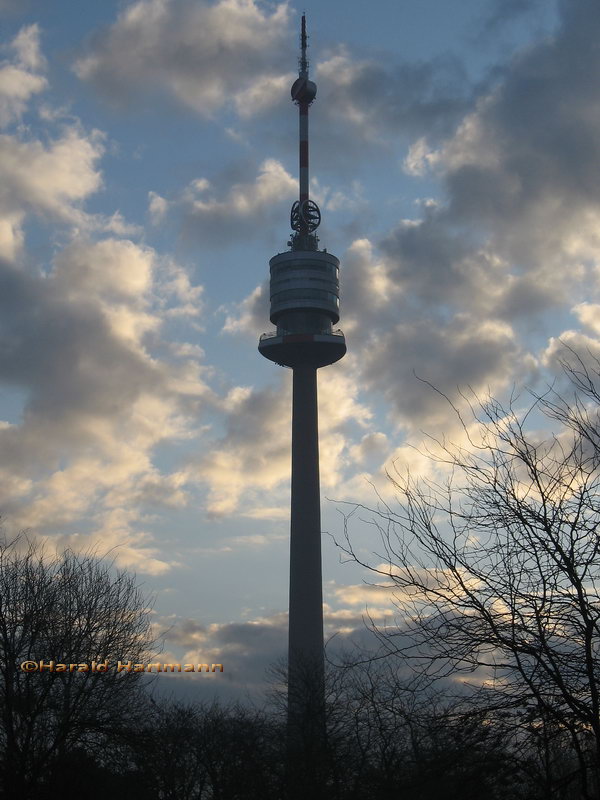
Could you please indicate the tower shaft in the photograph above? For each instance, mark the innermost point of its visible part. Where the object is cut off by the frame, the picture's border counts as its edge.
(305, 651)
(306, 662)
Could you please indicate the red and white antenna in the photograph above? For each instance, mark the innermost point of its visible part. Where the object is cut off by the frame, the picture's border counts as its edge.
(305, 215)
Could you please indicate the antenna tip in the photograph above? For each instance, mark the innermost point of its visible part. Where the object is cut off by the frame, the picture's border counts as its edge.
(303, 45)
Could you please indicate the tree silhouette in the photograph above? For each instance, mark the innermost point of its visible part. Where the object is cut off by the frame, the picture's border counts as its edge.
(72, 609)
(495, 566)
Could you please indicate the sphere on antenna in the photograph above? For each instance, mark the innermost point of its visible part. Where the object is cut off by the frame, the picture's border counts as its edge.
(303, 90)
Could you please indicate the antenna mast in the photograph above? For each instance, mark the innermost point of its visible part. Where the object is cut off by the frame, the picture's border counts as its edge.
(303, 46)
(305, 216)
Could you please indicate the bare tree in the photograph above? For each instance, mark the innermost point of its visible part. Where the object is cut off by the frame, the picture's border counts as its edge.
(198, 751)
(495, 566)
(390, 736)
(73, 610)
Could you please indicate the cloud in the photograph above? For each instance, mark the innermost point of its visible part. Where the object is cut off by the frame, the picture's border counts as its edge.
(251, 650)
(26, 46)
(251, 315)
(589, 315)
(157, 207)
(12, 6)
(204, 55)
(376, 99)
(254, 453)
(467, 293)
(372, 445)
(232, 207)
(502, 13)
(421, 305)
(233, 56)
(50, 180)
(76, 341)
(267, 513)
(249, 466)
(84, 346)
(247, 650)
(453, 295)
(20, 79)
(240, 210)
(521, 166)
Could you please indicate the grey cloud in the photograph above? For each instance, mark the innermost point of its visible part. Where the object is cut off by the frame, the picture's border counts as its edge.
(250, 651)
(237, 55)
(95, 401)
(459, 353)
(251, 316)
(75, 374)
(503, 13)
(246, 650)
(76, 340)
(235, 206)
(64, 353)
(526, 298)
(512, 241)
(253, 454)
(426, 260)
(14, 6)
(183, 632)
(400, 98)
(446, 295)
(530, 173)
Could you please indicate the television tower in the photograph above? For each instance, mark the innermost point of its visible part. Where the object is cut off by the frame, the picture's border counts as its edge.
(304, 306)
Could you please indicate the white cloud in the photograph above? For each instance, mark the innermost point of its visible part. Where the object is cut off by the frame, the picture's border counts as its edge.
(255, 451)
(243, 200)
(251, 315)
(203, 55)
(372, 445)
(98, 401)
(589, 315)
(157, 207)
(249, 467)
(279, 514)
(50, 177)
(115, 269)
(26, 46)
(243, 210)
(50, 180)
(264, 93)
(420, 158)
(19, 79)
(16, 87)
(82, 343)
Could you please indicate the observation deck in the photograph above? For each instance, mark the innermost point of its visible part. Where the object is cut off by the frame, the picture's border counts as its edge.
(293, 349)
(305, 302)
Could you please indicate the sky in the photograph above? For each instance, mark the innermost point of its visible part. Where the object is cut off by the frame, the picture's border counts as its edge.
(148, 162)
